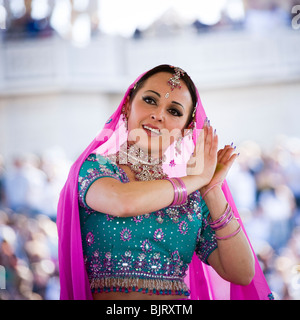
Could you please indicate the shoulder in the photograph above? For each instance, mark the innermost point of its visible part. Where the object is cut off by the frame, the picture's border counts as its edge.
(97, 166)
(99, 163)
(93, 168)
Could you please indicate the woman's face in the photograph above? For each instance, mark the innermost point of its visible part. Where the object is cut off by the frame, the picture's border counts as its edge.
(157, 115)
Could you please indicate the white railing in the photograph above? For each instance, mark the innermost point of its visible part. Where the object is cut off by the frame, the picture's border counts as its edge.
(110, 63)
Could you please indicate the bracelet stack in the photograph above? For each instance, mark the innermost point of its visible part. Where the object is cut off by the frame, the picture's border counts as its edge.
(180, 192)
(222, 222)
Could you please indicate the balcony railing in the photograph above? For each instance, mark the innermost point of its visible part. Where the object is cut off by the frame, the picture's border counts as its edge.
(111, 63)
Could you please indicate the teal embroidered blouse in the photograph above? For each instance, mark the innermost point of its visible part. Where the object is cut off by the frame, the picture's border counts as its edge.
(149, 253)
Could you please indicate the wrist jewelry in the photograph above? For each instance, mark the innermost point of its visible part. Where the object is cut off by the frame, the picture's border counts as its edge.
(239, 229)
(222, 221)
(221, 218)
(180, 191)
(183, 192)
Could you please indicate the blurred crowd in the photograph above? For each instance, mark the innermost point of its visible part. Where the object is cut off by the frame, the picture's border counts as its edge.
(33, 19)
(264, 183)
(29, 190)
(266, 187)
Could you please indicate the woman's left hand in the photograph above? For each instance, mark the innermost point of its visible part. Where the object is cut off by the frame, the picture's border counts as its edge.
(225, 159)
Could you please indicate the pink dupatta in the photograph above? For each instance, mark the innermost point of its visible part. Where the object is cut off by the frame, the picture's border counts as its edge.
(203, 281)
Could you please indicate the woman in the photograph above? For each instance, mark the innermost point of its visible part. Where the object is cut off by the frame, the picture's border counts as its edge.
(152, 201)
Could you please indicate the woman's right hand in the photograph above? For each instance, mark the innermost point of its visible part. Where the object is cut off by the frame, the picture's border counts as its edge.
(203, 161)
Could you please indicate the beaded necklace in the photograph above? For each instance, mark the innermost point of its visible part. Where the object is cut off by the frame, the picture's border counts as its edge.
(145, 167)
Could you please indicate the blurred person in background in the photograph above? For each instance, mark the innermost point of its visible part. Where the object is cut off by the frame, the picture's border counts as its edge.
(17, 186)
(24, 185)
(2, 176)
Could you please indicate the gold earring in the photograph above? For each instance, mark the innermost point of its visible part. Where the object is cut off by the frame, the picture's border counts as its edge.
(124, 115)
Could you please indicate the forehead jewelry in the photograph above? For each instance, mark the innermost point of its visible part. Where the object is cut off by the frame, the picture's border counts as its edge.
(167, 95)
(174, 81)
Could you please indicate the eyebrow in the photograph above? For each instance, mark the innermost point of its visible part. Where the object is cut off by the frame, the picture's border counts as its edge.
(178, 104)
(175, 102)
(153, 92)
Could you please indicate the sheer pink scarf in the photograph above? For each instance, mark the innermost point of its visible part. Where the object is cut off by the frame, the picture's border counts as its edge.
(203, 282)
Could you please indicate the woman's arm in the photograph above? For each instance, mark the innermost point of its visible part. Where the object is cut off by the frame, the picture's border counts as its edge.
(233, 259)
(134, 198)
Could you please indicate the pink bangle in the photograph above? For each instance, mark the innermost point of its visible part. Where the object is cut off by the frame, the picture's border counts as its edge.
(224, 223)
(183, 191)
(230, 235)
(180, 191)
(223, 216)
(205, 193)
(175, 191)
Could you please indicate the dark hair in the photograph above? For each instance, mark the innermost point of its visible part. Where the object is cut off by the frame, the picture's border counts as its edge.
(170, 69)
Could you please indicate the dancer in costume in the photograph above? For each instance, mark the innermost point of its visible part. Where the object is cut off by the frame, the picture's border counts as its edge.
(146, 212)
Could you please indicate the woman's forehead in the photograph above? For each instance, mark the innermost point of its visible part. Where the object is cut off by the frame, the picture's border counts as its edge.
(159, 83)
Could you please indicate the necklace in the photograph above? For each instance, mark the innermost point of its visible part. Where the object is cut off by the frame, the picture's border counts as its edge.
(145, 167)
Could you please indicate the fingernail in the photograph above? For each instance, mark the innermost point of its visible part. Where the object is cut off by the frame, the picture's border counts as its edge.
(234, 148)
(231, 144)
(238, 154)
(215, 131)
(209, 123)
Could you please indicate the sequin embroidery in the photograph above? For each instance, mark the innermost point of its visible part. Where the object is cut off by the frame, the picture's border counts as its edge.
(158, 235)
(138, 219)
(90, 238)
(125, 234)
(183, 227)
(146, 246)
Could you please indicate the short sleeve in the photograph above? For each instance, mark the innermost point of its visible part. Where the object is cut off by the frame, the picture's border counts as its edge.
(94, 168)
(206, 240)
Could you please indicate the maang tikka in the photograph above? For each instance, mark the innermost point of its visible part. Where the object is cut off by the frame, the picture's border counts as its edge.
(174, 81)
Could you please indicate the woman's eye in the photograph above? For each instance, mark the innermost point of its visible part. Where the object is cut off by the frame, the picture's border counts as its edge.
(175, 112)
(149, 100)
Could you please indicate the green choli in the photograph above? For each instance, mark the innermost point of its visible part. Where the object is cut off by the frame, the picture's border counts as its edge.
(148, 253)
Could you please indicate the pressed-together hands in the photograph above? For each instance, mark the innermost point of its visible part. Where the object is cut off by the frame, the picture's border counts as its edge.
(206, 161)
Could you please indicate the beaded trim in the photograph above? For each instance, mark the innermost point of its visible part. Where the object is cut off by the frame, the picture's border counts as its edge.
(150, 286)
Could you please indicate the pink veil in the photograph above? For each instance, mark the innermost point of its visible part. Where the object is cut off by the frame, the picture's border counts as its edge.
(202, 280)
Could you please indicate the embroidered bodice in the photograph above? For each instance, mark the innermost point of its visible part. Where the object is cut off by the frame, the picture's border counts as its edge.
(149, 253)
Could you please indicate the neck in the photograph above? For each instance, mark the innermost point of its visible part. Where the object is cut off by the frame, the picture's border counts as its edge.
(143, 155)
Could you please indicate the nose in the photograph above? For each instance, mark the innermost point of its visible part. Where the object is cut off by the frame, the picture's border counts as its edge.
(157, 115)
